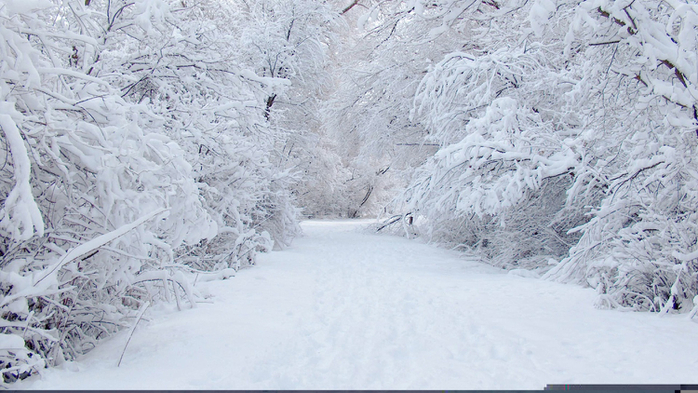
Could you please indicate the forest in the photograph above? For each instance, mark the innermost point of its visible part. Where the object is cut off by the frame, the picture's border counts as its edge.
(150, 144)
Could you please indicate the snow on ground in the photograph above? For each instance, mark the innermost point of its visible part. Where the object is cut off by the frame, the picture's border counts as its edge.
(346, 309)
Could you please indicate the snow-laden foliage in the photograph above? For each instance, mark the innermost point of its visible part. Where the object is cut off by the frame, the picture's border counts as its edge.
(134, 152)
(486, 186)
(638, 250)
(214, 107)
(568, 134)
(98, 167)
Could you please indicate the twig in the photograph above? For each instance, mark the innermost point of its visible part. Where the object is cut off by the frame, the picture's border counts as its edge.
(349, 7)
(95, 243)
(392, 220)
(176, 295)
(604, 43)
(133, 329)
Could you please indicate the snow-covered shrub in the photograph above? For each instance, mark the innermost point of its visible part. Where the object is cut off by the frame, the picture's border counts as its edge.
(130, 143)
(575, 117)
(639, 248)
(500, 190)
(112, 190)
(216, 109)
(498, 183)
(110, 193)
(16, 360)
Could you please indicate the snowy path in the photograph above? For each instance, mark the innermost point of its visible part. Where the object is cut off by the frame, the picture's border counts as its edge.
(346, 309)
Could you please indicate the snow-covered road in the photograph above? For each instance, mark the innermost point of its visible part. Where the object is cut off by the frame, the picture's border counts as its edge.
(345, 309)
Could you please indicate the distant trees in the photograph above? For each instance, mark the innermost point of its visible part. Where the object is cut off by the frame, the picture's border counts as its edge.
(383, 54)
(292, 40)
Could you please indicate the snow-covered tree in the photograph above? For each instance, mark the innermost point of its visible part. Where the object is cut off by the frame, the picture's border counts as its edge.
(214, 106)
(135, 150)
(567, 133)
(94, 194)
(638, 249)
